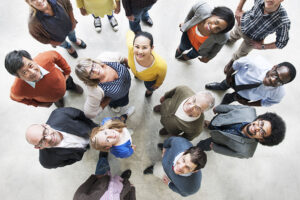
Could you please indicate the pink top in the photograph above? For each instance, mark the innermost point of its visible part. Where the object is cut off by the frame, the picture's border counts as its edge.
(114, 189)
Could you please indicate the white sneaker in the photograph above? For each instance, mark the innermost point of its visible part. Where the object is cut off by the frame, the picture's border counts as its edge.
(97, 24)
(114, 24)
(130, 111)
(116, 110)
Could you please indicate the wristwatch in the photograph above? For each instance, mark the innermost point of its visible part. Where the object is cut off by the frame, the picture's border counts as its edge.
(262, 46)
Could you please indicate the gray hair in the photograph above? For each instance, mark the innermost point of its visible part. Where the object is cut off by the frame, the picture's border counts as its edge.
(208, 97)
(82, 74)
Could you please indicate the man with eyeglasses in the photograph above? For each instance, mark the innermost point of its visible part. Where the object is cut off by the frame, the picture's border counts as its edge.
(63, 139)
(236, 131)
(255, 81)
(181, 111)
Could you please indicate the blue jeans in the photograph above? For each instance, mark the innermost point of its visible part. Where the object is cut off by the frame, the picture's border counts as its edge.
(149, 84)
(72, 37)
(138, 15)
(185, 44)
(102, 166)
(108, 16)
(120, 102)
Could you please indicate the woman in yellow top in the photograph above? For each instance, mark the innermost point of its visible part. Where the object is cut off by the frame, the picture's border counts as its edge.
(99, 8)
(144, 63)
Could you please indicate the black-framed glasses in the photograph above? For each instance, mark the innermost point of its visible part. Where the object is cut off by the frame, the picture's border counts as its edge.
(42, 141)
(262, 132)
(92, 70)
(274, 74)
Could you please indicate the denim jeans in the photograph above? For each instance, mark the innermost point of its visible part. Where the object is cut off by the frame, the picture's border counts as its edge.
(138, 15)
(108, 16)
(185, 44)
(72, 37)
(149, 84)
(102, 166)
(120, 102)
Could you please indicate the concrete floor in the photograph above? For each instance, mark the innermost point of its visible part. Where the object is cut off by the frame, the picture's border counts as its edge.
(271, 174)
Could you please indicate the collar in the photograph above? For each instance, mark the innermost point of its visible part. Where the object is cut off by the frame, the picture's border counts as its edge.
(174, 162)
(43, 73)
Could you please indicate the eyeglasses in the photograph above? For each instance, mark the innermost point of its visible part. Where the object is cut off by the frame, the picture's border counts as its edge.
(274, 74)
(92, 70)
(43, 141)
(262, 132)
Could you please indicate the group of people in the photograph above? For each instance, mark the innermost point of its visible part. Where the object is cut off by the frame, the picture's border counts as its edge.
(235, 129)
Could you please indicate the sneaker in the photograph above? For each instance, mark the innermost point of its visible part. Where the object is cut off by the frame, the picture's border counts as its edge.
(116, 110)
(157, 108)
(148, 93)
(114, 24)
(72, 52)
(148, 21)
(126, 174)
(160, 146)
(130, 111)
(149, 170)
(97, 24)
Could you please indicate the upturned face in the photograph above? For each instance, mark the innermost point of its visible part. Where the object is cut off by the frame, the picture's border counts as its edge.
(107, 138)
(277, 76)
(95, 71)
(38, 4)
(272, 5)
(142, 48)
(30, 71)
(259, 129)
(184, 165)
(214, 25)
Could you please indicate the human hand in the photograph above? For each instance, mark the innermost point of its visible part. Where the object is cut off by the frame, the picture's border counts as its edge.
(238, 16)
(256, 44)
(125, 62)
(204, 59)
(67, 76)
(154, 87)
(130, 18)
(117, 9)
(166, 180)
(83, 11)
(162, 99)
(211, 145)
(163, 152)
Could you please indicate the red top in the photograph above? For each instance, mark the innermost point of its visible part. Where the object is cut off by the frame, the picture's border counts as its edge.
(50, 88)
(195, 39)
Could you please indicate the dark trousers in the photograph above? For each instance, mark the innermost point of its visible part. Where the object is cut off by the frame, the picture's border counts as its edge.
(120, 102)
(70, 85)
(185, 44)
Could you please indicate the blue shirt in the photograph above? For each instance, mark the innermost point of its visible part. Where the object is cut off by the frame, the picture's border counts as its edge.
(43, 73)
(59, 25)
(118, 88)
(251, 70)
(235, 129)
(122, 151)
(257, 25)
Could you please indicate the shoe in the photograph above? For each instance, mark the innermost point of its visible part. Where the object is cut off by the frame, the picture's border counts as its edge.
(73, 54)
(148, 21)
(103, 154)
(130, 111)
(60, 103)
(178, 53)
(149, 170)
(116, 110)
(215, 86)
(160, 146)
(157, 108)
(183, 57)
(147, 94)
(163, 131)
(228, 98)
(82, 44)
(78, 89)
(114, 24)
(97, 24)
(205, 144)
(126, 174)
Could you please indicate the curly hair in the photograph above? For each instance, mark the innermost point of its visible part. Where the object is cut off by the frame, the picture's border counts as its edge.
(198, 157)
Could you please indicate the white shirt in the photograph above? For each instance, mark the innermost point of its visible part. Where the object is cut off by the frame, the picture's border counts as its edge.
(72, 141)
(140, 68)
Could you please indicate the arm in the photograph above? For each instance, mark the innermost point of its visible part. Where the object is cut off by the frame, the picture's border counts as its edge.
(222, 108)
(118, 7)
(170, 93)
(27, 101)
(239, 11)
(173, 187)
(161, 74)
(129, 39)
(167, 143)
(61, 63)
(247, 103)
(92, 105)
(221, 149)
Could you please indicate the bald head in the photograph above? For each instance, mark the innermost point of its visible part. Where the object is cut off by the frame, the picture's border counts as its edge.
(34, 133)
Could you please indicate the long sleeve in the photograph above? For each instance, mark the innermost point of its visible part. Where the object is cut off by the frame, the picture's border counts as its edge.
(221, 149)
(92, 103)
(161, 72)
(61, 63)
(170, 93)
(30, 102)
(80, 3)
(175, 189)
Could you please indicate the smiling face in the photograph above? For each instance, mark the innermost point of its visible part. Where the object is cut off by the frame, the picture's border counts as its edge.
(107, 138)
(95, 71)
(38, 4)
(258, 129)
(30, 71)
(214, 25)
(277, 76)
(184, 165)
(196, 104)
(43, 136)
(141, 48)
(272, 5)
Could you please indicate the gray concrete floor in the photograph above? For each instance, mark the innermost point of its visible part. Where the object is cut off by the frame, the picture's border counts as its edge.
(271, 174)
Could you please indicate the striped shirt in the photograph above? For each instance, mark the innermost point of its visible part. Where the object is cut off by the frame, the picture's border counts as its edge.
(120, 87)
(257, 25)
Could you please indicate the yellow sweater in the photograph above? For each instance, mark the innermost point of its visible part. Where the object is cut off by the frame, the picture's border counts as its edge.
(156, 72)
(97, 7)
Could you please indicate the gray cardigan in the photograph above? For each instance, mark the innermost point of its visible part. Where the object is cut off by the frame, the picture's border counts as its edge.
(199, 12)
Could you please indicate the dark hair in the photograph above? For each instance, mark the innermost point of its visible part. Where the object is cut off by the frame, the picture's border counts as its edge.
(227, 15)
(292, 70)
(145, 34)
(14, 61)
(198, 157)
(277, 129)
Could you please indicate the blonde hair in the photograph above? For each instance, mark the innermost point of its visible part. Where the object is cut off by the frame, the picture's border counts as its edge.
(208, 97)
(117, 125)
(82, 74)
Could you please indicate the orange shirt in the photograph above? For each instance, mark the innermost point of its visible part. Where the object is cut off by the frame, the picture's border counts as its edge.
(194, 37)
(50, 88)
